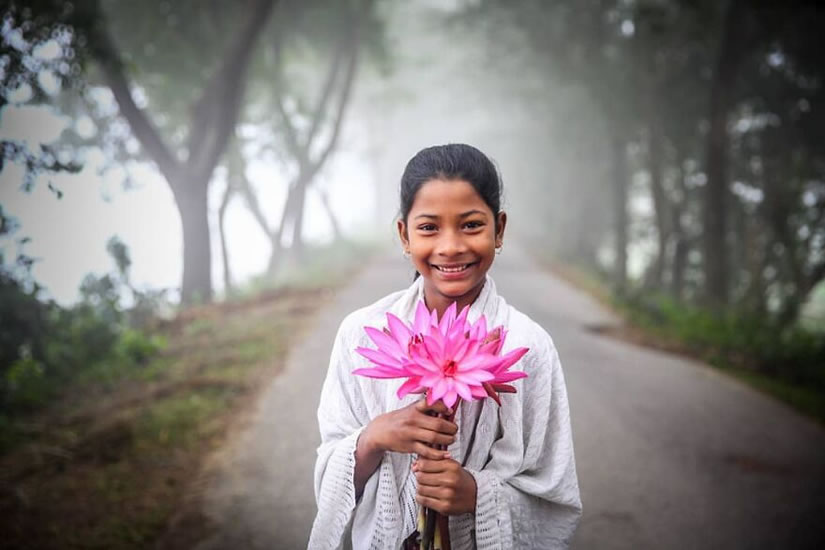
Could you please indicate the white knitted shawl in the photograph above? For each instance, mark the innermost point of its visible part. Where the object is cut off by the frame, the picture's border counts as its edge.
(521, 454)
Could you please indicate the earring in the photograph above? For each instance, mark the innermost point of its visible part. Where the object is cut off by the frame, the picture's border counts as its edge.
(407, 254)
(498, 249)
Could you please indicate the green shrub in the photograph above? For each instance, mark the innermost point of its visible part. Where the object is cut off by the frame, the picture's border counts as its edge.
(25, 383)
(138, 348)
(734, 338)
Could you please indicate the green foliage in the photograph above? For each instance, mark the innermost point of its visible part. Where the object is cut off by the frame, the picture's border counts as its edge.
(44, 346)
(72, 342)
(138, 348)
(26, 381)
(734, 338)
(179, 420)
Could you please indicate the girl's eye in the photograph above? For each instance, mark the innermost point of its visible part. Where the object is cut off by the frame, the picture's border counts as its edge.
(427, 227)
(473, 225)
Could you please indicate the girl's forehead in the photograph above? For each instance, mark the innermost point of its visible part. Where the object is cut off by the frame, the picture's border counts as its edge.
(446, 195)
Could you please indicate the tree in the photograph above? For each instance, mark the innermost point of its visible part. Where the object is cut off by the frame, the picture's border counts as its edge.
(308, 124)
(28, 67)
(213, 115)
(588, 43)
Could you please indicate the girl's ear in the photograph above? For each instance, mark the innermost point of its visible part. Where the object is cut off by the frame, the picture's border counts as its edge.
(402, 234)
(501, 223)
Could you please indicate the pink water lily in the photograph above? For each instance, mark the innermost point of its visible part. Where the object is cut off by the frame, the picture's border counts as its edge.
(448, 358)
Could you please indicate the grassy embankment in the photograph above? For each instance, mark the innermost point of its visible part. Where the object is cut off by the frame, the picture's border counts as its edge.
(123, 453)
(788, 364)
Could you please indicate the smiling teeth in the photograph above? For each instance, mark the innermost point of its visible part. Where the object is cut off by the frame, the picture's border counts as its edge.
(452, 269)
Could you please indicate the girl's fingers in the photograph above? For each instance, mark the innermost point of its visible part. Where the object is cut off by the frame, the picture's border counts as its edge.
(423, 451)
(430, 502)
(429, 480)
(435, 492)
(433, 466)
(435, 438)
(438, 424)
(438, 407)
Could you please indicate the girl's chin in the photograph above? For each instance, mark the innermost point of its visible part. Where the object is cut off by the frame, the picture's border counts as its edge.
(455, 289)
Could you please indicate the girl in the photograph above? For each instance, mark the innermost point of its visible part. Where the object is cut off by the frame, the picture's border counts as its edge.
(508, 477)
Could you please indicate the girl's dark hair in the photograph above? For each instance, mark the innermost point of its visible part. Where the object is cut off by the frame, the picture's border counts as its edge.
(454, 161)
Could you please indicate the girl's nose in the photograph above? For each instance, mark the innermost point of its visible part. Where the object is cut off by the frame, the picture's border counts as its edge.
(451, 244)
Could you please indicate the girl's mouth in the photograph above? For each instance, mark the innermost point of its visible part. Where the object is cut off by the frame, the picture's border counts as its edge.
(453, 269)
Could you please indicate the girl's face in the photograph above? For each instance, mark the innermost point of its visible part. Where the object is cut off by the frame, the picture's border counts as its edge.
(451, 237)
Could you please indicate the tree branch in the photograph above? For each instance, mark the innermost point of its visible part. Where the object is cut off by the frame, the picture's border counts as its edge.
(111, 64)
(329, 84)
(254, 206)
(346, 89)
(290, 132)
(217, 111)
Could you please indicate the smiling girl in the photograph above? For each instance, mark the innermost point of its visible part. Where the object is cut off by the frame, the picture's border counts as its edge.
(508, 476)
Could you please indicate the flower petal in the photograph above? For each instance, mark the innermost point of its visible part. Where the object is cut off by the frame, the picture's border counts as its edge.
(380, 372)
(510, 375)
(461, 350)
(450, 398)
(430, 380)
(440, 388)
(478, 392)
(411, 385)
(510, 359)
(476, 376)
(447, 319)
(501, 338)
(385, 342)
(479, 328)
(464, 391)
(462, 317)
(400, 331)
(478, 361)
(421, 325)
(492, 393)
(433, 345)
(379, 357)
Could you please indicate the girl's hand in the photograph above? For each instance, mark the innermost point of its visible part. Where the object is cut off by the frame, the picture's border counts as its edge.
(445, 486)
(412, 430)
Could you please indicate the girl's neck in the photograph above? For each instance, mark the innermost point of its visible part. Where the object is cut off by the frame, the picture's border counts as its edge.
(440, 303)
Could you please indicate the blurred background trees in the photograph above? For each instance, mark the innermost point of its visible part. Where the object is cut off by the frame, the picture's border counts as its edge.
(694, 98)
(673, 147)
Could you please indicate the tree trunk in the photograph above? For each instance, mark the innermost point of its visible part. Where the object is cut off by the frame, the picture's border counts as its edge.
(227, 272)
(336, 227)
(755, 263)
(213, 119)
(660, 202)
(620, 213)
(192, 203)
(286, 225)
(716, 189)
(297, 246)
(680, 235)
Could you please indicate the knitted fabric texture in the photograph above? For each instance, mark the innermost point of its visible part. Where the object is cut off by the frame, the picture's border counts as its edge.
(521, 454)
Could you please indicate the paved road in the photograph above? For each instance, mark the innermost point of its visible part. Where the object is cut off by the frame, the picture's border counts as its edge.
(670, 453)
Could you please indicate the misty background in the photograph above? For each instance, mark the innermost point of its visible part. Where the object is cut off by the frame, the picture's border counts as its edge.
(604, 119)
(166, 165)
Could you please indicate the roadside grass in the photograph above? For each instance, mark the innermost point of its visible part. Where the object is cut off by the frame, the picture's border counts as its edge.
(810, 401)
(787, 365)
(123, 453)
